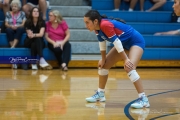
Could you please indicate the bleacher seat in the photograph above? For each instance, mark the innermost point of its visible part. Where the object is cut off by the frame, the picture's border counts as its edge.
(138, 16)
(109, 5)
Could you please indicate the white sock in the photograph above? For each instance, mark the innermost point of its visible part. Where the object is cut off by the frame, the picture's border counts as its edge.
(99, 90)
(141, 94)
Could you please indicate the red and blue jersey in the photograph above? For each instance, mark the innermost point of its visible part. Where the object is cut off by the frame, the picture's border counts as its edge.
(112, 29)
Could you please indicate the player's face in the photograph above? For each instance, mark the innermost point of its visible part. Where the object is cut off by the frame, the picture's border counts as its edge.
(176, 7)
(89, 24)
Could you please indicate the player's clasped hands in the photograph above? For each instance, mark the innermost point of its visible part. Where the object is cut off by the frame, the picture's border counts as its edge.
(101, 63)
(128, 65)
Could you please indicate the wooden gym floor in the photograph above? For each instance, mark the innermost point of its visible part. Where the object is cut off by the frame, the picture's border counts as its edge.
(57, 95)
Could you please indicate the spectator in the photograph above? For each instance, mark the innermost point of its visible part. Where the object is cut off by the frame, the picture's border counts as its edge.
(132, 4)
(4, 4)
(35, 27)
(57, 34)
(29, 4)
(157, 4)
(14, 23)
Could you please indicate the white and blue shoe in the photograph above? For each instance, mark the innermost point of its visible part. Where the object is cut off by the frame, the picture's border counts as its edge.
(98, 96)
(141, 103)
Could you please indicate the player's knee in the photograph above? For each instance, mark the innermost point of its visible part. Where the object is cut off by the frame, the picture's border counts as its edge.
(133, 75)
(103, 71)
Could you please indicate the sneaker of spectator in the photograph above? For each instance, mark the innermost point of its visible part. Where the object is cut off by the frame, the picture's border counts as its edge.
(117, 4)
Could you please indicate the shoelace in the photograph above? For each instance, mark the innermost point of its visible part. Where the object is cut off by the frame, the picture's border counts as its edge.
(96, 94)
(139, 100)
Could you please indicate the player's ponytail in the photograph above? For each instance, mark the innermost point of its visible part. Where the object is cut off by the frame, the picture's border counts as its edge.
(94, 14)
(117, 19)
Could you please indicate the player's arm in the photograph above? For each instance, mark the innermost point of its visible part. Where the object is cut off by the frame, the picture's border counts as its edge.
(102, 46)
(118, 45)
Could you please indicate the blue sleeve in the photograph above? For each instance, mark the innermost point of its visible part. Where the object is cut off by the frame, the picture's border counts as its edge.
(98, 36)
(100, 39)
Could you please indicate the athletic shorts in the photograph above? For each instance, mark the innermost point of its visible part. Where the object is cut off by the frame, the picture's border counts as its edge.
(37, 5)
(135, 40)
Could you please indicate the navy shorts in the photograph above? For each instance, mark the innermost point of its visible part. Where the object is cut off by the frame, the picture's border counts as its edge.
(135, 40)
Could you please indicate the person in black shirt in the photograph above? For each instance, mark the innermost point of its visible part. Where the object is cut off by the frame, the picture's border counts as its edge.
(35, 28)
(29, 4)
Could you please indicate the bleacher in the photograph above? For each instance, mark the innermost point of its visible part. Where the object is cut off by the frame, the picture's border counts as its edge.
(161, 51)
(109, 5)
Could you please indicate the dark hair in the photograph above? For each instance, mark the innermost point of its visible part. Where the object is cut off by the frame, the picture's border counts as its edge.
(94, 14)
(30, 18)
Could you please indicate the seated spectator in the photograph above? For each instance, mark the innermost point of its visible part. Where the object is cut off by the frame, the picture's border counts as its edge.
(4, 4)
(35, 28)
(132, 4)
(29, 4)
(57, 34)
(172, 32)
(14, 23)
(157, 4)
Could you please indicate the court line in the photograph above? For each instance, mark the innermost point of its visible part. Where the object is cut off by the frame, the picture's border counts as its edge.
(126, 108)
(163, 116)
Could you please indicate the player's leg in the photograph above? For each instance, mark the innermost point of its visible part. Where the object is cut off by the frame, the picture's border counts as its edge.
(135, 54)
(111, 58)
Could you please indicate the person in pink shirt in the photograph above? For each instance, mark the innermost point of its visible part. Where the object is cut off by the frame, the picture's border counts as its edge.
(57, 34)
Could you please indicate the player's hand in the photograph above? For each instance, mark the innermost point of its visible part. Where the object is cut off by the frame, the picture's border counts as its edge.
(101, 63)
(128, 65)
